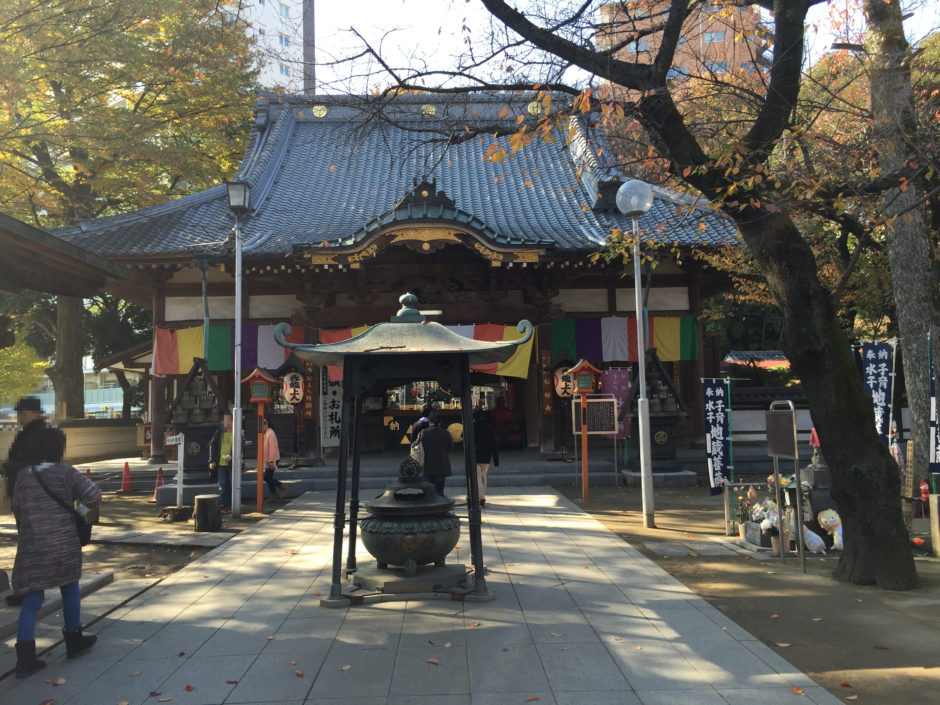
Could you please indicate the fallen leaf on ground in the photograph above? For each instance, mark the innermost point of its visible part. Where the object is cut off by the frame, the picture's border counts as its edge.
(346, 667)
(555, 634)
(531, 698)
(271, 638)
(291, 663)
(457, 547)
(123, 702)
(231, 682)
(881, 646)
(189, 689)
(136, 673)
(182, 653)
(617, 638)
(845, 685)
(432, 661)
(505, 649)
(299, 674)
(474, 624)
(447, 645)
(851, 697)
(57, 682)
(693, 555)
(775, 616)
(48, 702)
(164, 700)
(817, 619)
(782, 645)
(319, 593)
(154, 693)
(797, 690)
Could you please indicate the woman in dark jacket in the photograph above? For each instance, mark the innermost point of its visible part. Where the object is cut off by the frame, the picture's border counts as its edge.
(48, 552)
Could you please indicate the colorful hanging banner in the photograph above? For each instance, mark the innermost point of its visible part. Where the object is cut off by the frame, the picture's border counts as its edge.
(717, 432)
(613, 339)
(174, 350)
(878, 376)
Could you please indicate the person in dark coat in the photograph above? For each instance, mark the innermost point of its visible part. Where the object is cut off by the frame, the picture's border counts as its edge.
(32, 424)
(484, 450)
(48, 551)
(418, 426)
(436, 441)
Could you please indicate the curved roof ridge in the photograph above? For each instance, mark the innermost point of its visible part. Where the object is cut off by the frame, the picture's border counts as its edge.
(261, 170)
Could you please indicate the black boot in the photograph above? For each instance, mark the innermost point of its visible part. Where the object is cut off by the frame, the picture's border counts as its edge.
(26, 661)
(77, 643)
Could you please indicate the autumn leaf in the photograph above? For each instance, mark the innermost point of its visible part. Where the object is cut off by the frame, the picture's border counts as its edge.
(881, 646)
(782, 645)
(432, 661)
(532, 698)
(845, 685)
(474, 624)
(189, 689)
(346, 667)
(231, 682)
(332, 167)
(56, 683)
(775, 616)
(299, 674)
(851, 697)
(797, 690)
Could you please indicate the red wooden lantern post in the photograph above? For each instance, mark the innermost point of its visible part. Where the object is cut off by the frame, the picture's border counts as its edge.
(584, 378)
(261, 386)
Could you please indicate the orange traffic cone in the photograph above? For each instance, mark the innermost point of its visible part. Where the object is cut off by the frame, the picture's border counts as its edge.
(126, 479)
(159, 484)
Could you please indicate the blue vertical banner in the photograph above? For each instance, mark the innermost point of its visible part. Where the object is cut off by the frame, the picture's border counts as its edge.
(878, 375)
(934, 429)
(717, 432)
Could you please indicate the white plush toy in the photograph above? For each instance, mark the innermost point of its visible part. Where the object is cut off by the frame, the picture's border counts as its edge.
(813, 541)
(830, 521)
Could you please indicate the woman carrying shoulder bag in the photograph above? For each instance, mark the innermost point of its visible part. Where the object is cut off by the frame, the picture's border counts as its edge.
(48, 551)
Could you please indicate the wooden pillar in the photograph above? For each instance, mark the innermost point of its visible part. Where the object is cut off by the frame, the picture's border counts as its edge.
(158, 384)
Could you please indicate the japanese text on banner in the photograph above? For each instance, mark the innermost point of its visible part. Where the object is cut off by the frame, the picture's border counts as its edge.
(717, 431)
(877, 373)
(331, 410)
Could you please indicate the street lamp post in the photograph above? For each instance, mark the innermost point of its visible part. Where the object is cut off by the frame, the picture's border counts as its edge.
(634, 198)
(239, 200)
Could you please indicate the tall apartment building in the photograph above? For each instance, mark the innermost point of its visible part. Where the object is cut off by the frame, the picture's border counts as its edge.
(715, 39)
(280, 27)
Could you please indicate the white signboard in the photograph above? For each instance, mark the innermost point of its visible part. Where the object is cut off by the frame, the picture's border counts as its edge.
(173, 440)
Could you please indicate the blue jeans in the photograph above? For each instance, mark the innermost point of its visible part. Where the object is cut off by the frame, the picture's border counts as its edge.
(437, 481)
(32, 602)
(225, 485)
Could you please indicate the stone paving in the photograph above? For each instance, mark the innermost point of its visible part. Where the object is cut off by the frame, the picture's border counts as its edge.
(579, 617)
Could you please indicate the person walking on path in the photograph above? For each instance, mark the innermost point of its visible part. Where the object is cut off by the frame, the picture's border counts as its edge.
(48, 551)
(436, 441)
(220, 452)
(271, 454)
(484, 450)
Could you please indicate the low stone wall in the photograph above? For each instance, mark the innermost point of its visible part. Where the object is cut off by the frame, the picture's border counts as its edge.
(87, 440)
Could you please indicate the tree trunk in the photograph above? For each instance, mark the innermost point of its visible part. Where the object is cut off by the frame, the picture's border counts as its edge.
(865, 481)
(127, 393)
(66, 375)
(914, 274)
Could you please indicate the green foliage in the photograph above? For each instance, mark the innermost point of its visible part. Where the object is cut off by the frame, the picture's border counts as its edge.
(113, 325)
(112, 106)
(20, 372)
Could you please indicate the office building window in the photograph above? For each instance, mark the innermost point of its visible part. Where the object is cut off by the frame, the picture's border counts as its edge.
(284, 11)
(283, 40)
(715, 37)
(681, 42)
(676, 72)
(749, 66)
(639, 45)
(284, 70)
(717, 66)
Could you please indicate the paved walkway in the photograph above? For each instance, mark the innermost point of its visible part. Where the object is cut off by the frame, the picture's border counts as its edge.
(579, 617)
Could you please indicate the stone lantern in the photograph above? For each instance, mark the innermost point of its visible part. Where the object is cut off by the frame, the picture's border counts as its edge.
(406, 349)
